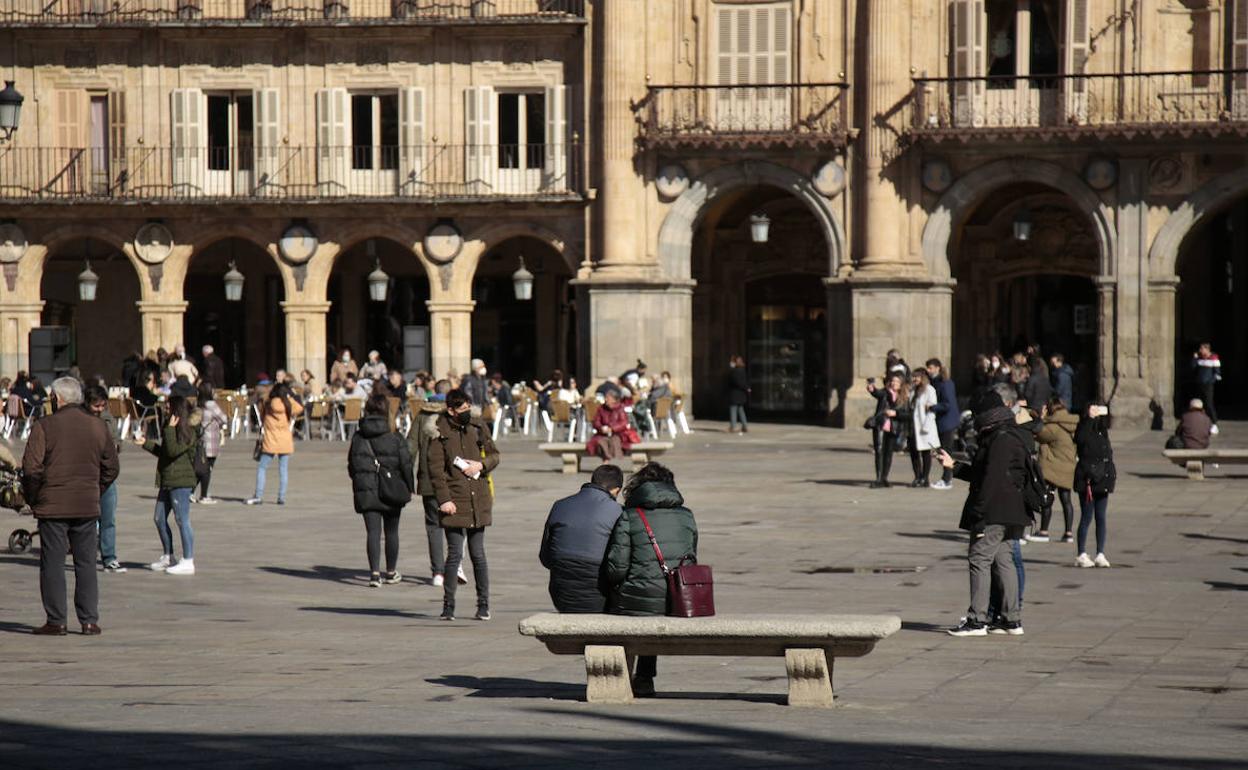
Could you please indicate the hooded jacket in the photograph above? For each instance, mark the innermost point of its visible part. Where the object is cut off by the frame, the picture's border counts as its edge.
(574, 543)
(996, 476)
(1057, 448)
(374, 443)
(472, 497)
(175, 468)
(637, 584)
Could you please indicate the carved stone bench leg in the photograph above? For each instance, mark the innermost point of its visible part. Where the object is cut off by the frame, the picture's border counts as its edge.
(571, 462)
(810, 677)
(606, 675)
(639, 459)
(1196, 470)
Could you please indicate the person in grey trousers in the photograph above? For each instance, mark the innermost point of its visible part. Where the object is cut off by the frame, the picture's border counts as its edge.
(574, 542)
(425, 429)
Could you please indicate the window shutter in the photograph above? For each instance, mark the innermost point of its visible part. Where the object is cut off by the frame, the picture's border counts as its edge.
(1075, 60)
(724, 59)
(967, 29)
(556, 164)
(332, 131)
(1239, 59)
(479, 135)
(781, 58)
(411, 139)
(117, 135)
(72, 109)
(267, 133)
(189, 151)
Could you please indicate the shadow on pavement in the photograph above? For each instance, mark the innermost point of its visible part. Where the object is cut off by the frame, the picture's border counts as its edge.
(381, 612)
(9, 627)
(950, 535)
(1200, 536)
(1219, 585)
(322, 572)
(864, 483)
(607, 734)
(510, 687)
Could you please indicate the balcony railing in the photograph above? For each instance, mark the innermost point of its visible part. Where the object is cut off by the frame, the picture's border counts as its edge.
(1154, 101)
(440, 172)
(141, 12)
(725, 116)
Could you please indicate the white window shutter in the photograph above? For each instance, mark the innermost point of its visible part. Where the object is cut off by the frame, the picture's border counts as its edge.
(1076, 32)
(555, 168)
(189, 140)
(968, 32)
(1239, 59)
(411, 138)
(117, 127)
(267, 130)
(333, 130)
(781, 37)
(725, 74)
(479, 135)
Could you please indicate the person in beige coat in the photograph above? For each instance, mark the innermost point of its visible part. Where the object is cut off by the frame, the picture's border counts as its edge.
(1057, 463)
(277, 439)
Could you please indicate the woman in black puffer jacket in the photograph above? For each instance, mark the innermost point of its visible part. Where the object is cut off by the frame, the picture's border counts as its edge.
(1095, 477)
(637, 584)
(375, 448)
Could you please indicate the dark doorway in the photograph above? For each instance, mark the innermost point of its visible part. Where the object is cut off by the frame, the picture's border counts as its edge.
(1060, 313)
(787, 344)
(358, 322)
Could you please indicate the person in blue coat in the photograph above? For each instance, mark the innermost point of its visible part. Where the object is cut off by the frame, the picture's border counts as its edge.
(1063, 379)
(574, 542)
(948, 416)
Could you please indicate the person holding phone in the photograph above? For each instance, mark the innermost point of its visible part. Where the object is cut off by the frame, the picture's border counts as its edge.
(175, 478)
(887, 424)
(1095, 479)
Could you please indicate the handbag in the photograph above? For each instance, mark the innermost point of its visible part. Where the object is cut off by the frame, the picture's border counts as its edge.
(391, 489)
(690, 588)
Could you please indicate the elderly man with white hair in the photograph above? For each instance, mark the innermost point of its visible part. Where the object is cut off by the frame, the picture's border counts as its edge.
(70, 461)
(475, 386)
(181, 366)
(214, 368)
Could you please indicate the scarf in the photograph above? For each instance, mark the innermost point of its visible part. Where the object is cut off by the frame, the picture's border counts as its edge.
(993, 418)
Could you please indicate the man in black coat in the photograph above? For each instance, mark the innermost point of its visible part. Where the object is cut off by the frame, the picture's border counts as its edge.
(994, 514)
(575, 541)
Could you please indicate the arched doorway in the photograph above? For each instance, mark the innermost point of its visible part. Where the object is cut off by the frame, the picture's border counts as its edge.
(1026, 260)
(249, 335)
(524, 339)
(1212, 306)
(104, 331)
(765, 301)
(398, 327)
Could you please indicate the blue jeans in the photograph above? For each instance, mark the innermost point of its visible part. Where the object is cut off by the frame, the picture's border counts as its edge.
(1089, 509)
(108, 523)
(736, 413)
(179, 500)
(262, 469)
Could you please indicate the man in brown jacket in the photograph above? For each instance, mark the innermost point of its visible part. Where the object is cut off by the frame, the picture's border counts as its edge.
(461, 458)
(70, 461)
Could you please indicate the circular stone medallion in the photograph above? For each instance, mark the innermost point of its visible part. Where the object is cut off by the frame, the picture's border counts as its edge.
(829, 179)
(1101, 173)
(937, 176)
(443, 242)
(153, 243)
(297, 244)
(12, 243)
(672, 181)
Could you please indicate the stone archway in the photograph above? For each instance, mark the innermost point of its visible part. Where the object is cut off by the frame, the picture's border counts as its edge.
(1214, 195)
(677, 231)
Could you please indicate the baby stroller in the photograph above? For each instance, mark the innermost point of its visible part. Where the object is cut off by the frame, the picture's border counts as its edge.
(11, 497)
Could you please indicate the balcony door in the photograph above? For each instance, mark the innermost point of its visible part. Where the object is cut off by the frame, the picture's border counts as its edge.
(753, 47)
(516, 140)
(225, 143)
(374, 143)
(230, 132)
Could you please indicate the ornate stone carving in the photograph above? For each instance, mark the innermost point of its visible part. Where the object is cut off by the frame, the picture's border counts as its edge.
(1101, 173)
(937, 175)
(1165, 172)
(443, 242)
(12, 242)
(672, 181)
(829, 179)
(153, 243)
(810, 677)
(297, 244)
(606, 674)
(445, 273)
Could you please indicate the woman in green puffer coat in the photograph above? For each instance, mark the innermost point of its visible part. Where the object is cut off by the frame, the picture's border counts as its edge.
(175, 478)
(637, 584)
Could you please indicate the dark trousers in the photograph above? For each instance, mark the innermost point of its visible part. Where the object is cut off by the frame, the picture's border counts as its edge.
(921, 462)
(206, 479)
(1206, 395)
(57, 536)
(455, 537)
(946, 443)
(1068, 512)
(374, 523)
(885, 444)
(435, 534)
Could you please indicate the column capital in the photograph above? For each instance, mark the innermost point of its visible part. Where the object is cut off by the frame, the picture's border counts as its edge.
(1164, 283)
(158, 306)
(321, 308)
(450, 306)
(11, 308)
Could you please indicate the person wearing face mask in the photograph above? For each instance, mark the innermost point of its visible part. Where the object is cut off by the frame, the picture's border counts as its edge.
(343, 367)
(475, 386)
(374, 369)
(575, 539)
(461, 459)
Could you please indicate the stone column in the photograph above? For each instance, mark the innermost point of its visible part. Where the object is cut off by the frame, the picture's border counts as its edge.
(1131, 391)
(162, 323)
(16, 321)
(450, 335)
(305, 338)
(1159, 349)
(1106, 333)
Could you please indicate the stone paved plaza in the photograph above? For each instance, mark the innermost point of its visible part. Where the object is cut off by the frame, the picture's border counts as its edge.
(277, 654)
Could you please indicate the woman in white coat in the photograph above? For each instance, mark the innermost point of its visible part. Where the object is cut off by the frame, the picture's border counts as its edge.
(925, 437)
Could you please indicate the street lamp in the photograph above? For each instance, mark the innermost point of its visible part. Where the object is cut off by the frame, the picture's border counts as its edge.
(760, 224)
(234, 284)
(88, 282)
(522, 279)
(1022, 225)
(10, 109)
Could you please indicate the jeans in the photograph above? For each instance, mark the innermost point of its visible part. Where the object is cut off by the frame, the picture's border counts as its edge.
(57, 536)
(435, 535)
(1089, 509)
(885, 444)
(454, 555)
(108, 524)
(179, 501)
(374, 523)
(206, 479)
(736, 414)
(990, 556)
(946, 443)
(283, 461)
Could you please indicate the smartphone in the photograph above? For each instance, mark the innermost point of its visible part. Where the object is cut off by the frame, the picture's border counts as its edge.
(870, 380)
(1100, 411)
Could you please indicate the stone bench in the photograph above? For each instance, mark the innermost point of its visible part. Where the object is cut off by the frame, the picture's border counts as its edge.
(571, 453)
(1194, 459)
(808, 643)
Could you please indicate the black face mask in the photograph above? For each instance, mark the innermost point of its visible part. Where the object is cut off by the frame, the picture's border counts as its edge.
(463, 418)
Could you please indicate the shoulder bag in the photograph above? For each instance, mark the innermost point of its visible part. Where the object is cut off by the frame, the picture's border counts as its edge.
(690, 589)
(391, 488)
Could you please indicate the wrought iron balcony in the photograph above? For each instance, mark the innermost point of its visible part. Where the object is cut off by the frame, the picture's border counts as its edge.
(92, 13)
(1155, 103)
(786, 114)
(433, 172)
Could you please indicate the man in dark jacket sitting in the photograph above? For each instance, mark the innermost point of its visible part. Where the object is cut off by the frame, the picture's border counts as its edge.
(994, 514)
(575, 541)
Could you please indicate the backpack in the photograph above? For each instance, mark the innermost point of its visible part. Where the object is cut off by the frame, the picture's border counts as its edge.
(1036, 494)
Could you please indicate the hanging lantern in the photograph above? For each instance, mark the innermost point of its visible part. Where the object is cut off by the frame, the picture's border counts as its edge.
(378, 284)
(760, 225)
(1022, 225)
(88, 282)
(522, 279)
(234, 284)
(10, 109)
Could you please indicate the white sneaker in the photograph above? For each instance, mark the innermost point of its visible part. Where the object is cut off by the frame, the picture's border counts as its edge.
(253, 501)
(208, 501)
(941, 484)
(438, 580)
(161, 564)
(463, 579)
(1214, 429)
(183, 567)
(1084, 561)
(1038, 538)
(1100, 560)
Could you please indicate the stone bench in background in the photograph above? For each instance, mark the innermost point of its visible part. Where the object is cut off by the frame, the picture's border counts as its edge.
(809, 645)
(571, 453)
(1194, 459)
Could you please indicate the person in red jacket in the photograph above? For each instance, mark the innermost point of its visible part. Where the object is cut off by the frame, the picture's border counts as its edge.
(613, 436)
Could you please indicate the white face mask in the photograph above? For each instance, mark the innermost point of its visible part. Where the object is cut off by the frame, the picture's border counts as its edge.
(481, 372)
(346, 358)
